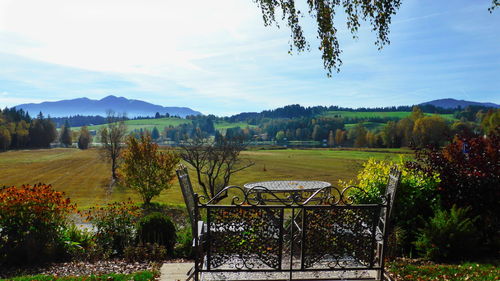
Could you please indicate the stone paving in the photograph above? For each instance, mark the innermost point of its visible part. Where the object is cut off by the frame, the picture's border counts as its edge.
(177, 272)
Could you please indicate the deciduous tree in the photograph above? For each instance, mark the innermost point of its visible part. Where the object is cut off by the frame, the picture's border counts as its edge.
(5, 138)
(430, 130)
(146, 169)
(214, 161)
(331, 139)
(112, 136)
(85, 138)
(66, 138)
(378, 13)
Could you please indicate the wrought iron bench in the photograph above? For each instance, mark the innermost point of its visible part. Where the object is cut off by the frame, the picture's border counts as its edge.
(249, 239)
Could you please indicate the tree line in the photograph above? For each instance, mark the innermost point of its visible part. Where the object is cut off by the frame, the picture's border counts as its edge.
(417, 129)
(19, 131)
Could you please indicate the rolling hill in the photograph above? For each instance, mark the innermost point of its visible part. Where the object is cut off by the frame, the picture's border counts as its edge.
(453, 103)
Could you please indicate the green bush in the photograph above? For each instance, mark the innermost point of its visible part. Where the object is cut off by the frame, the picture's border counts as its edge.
(184, 246)
(415, 195)
(157, 228)
(115, 224)
(79, 243)
(448, 235)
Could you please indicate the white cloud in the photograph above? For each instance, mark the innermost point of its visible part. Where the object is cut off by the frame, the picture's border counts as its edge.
(217, 57)
(9, 100)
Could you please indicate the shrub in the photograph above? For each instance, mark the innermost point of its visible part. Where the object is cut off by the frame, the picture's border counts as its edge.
(184, 246)
(157, 228)
(32, 219)
(415, 195)
(469, 173)
(448, 235)
(79, 243)
(115, 224)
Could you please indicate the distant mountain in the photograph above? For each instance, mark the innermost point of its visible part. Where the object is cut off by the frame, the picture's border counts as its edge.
(85, 106)
(453, 103)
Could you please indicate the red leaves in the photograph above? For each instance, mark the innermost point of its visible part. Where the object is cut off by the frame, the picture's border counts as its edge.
(40, 201)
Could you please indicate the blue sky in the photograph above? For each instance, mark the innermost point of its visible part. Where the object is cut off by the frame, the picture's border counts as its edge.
(217, 57)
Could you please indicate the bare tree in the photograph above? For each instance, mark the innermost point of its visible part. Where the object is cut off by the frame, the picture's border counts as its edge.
(112, 136)
(214, 161)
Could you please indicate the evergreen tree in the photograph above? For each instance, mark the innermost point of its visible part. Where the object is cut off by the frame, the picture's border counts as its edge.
(85, 138)
(42, 132)
(66, 138)
(155, 134)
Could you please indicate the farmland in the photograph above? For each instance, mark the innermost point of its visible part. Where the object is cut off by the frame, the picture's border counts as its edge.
(85, 177)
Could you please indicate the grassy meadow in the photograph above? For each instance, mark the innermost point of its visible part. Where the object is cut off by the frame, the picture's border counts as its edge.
(148, 124)
(85, 177)
(160, 123)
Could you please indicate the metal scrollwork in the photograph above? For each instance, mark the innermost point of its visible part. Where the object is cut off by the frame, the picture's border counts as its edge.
(244, 237)
(340, 237)
(318, 230)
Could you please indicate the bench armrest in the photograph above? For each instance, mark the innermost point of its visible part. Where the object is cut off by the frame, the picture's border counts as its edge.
(202, 229)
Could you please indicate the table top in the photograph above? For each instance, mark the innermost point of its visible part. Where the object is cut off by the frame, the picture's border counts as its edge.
(288, 186)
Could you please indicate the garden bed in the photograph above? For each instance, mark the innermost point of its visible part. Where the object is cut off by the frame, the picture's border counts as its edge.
(82, 269)
(419, 270)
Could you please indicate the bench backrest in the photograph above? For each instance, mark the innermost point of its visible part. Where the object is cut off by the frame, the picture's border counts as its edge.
(251, 235)
(392, 186)
(188, 194)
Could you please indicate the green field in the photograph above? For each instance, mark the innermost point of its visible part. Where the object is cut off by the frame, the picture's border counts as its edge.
(85, 177)
(148, 124)
(160, 123)
(372, 126)
(220, 125)
(390, 114)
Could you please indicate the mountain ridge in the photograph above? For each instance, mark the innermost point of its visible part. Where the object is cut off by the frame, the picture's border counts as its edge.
(449, 103)
(86, 106)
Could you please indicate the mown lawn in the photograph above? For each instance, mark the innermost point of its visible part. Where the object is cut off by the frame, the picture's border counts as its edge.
(85, 177)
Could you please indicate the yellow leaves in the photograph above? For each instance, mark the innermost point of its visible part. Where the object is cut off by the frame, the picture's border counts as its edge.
(145, 169)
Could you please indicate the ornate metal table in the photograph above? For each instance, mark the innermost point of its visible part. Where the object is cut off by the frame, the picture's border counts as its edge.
(279, 191)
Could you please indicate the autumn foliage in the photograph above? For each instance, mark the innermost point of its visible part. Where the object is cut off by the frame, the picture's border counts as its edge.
(146, 169)
(469, 171)
(31, 222)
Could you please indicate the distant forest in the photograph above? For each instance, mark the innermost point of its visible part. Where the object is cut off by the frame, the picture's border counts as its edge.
(285, 125)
